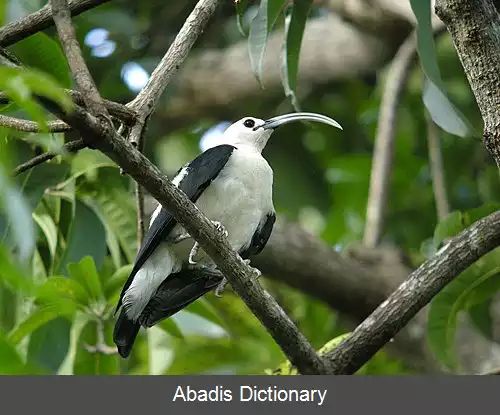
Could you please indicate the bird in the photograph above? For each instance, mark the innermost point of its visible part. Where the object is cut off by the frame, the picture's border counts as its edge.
(231, 183)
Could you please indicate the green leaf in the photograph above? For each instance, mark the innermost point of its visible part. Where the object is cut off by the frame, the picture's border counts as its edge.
(42, 52)
(35, 181)
(13, 275)
(241, 6)
(11, 362)
(49, 344)
(262, 24)
(117, 280)
(295, 23)
(480, 316)
(441, 109)
(86, 273)
(79, 323)
(48, 227)
(451, 225)
(475, 285)
(38, 318)
(59, 288)
(87, 236)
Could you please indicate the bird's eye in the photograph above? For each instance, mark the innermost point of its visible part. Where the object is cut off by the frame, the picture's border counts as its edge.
(249, 123)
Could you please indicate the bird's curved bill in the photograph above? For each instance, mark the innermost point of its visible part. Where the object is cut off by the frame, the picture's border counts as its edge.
(275, 122)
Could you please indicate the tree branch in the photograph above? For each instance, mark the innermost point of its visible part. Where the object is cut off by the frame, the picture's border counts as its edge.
(71, 147)
(474, 26)
(79, 69)
(120, 111)
(411, 296)
(31, 126)
(146, 100)
(40, 20)
(384, 141)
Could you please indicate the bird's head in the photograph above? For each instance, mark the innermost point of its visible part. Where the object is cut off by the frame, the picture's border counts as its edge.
(253, 133)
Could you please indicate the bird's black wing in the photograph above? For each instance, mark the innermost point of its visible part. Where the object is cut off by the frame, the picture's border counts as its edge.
(260, 237)
(177, 292)
(197, 175)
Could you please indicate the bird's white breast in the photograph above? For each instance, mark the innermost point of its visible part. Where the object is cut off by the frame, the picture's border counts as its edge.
(239, 197)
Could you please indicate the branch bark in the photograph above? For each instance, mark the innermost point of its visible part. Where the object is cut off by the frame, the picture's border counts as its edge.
(71, 147)
(411, 296)
(474, 26)
(31, 126)
(40, 20)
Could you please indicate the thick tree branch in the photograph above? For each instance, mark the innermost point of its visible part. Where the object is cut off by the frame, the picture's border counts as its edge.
(475, 30)
(411, 296)
(282, 329)
(31, 126)
(79, 70)
(70, 147)
(41, 20)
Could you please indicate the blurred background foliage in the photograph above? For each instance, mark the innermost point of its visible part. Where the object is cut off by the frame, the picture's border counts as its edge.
(68, 227)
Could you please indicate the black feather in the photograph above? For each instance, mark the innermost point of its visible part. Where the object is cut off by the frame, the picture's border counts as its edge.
(260, 237)
(177, 292)
(202, 170)
(125, 333)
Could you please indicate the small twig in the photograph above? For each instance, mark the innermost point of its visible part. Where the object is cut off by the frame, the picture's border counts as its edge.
(384, 141)
(120, 111)
(437, 169)
(71, 147)
(79, 69)
(412, 295)
(146, 100)
(385, 138)
(31, 126)
(40, 20)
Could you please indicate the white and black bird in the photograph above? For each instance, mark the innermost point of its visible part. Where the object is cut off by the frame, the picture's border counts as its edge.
(231, 184)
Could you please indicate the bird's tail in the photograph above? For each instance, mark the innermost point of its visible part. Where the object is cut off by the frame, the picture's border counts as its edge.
(125, 333)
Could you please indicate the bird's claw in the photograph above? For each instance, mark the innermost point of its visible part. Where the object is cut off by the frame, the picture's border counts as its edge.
(223, 284)
(181, 237)
(220, 288)
(196, 247)
(255, 271)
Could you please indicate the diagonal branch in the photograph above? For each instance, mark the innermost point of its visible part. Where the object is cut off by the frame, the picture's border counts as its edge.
(40, 20)
(146, 100)
(413, 294)
(293, 343)
(71, 147)
(79, 70)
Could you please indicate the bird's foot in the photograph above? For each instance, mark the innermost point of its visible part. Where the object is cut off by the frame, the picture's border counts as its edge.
(221, 287)
(196, 247)
(255, 271)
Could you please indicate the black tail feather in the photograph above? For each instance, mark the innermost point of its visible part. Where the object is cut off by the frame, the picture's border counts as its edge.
(125, 334)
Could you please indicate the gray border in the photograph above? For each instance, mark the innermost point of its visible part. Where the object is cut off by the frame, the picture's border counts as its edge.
(140, 395)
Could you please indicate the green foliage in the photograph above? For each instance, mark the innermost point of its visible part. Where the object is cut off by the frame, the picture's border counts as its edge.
(262, 25)
(441, 109)
(471, 291)
(295, 22)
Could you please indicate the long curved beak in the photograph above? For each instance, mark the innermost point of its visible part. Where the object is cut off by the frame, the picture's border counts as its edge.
(275, 122)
